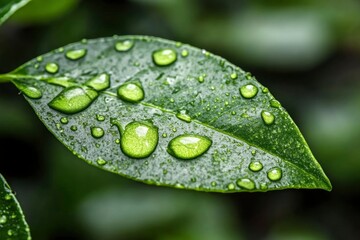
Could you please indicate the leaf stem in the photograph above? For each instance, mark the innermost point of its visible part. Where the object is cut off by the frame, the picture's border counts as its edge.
(4, 78)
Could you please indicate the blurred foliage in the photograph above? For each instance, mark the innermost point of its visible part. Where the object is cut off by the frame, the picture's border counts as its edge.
(307, 52)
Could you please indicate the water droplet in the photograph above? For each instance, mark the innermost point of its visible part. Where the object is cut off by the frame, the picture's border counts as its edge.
(164, 57)
(64, 120)
(233, 113)
(245, 183)
(172, 100)
(231, 186)
(248, 91)
(201, 79)
(73, 99)
(184, 53)
(183, 116)
(265, 90)
(234, 76)
(274, 174)
(164, 135)
(7, 197)
(3, 219)
(267, 117)
(100, 82)
(73, 128)
(52, 68)
(188, 146)
(101, 162)
(275, 103)
(100, 117)
(75, 54)
(255, 166)
(179, 185)
(131, 92)
(28, 90)
(213, 184)
(39, 59)
(124, 46)
(97, 132)
(193, 179)
(139, 139)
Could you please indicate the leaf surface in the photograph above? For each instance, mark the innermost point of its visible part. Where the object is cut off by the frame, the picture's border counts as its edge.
(169, 114)
(12, 220)
(9, 7)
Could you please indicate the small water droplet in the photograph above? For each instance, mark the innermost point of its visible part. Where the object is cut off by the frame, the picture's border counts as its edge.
(179, 185)
(117, 141)
(184, 53)
(265, 90)
(164, 135)
(124, 46)
(234, 76)
(3, 219)
(73, 99)
(100, 82)
(7, 197)
(164, 57)
(139, 139)
(131, 92)
(39, 59)
(275, 103)
(233, 113)
(267, 117)
(64, 120)
(255, 166)
(76, 54)
(100, 118)
(274, 174)
(248, 91)
(73, 128)
(172, 100)
(231, 186)
(188, 146)
(245, 183)
(178, 44)
(10, 232)
(213, 184)
(201, 78)
(183, 116)
(193, 179)
(52, 67)
(101, 161)
(28, 90)
(97, 132)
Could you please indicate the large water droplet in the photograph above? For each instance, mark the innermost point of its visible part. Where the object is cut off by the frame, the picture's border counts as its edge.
(139, 139)
(97, 132)
(75, 54)
(274, 174)
(164, 57)
(28, 90)
(124, 46)
(73, 99)
(52, 68)
(267, 117)
(248, 91)
(188, 146)
(245, 183)
(131, 92)
(100, 82)
(275, 103)
(255, 166)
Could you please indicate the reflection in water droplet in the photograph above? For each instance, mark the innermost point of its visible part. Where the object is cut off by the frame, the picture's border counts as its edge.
(245, 183)
(101, 162)
(97, 132)
(75, 54)
(267, 117)
(52, 68)
(164, 57)
(131, 92)
(248, 91)
(124, 46)
(139, 139)
(188, 146)
(274, 174)
(73, 99)
(255, 166)
(100, 82)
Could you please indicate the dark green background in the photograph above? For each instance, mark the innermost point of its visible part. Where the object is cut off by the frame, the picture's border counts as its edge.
(307, 53)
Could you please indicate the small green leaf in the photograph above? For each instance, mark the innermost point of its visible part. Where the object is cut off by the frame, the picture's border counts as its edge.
(191, 120)
(12, 220)
(9, 7)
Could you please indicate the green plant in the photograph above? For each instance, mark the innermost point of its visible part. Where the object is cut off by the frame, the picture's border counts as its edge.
(168, 114)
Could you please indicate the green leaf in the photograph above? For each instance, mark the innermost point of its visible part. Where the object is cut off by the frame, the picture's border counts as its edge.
(169, 114)
(12, 220)
(9, 7)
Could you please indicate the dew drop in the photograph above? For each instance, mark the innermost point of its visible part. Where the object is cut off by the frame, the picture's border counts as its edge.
(97, 132)
(139, 139)
(233, 76)
(183, 116)
(64, 120)
(73, 99)
(275, 103)
(28, 90)
(75, 54)
(267, 117)
(184, 53)
(231, 186)
(164, 135)
(7, 197)
(73, 128)
(188, 146)
(100, 118)
(10, 232)
(3, 219)
(52, 67)
(39, 59)
(131, 92)
(100, 82)
(201, 79)
(255, 166)
(248, 91)
(124, 46)
(274, 174)
(245, 183)
(213, 184)
(164, 57)
(101, 161)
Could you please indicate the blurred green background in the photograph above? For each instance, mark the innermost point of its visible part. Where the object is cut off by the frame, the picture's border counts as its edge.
(307, 52)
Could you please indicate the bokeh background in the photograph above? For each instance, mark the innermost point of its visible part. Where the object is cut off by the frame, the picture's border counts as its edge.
(307, 52)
